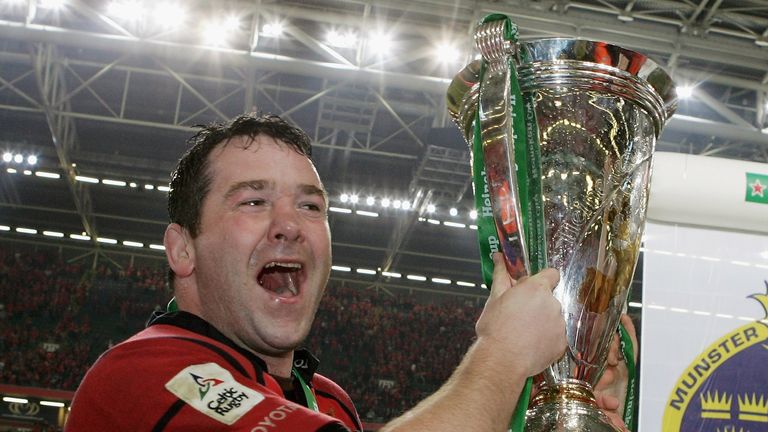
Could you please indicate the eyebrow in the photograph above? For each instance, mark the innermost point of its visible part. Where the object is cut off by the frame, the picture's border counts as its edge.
(249, 184)
(309, 189)
(306, 189)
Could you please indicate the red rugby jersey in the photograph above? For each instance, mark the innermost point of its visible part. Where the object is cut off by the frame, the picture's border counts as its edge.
(182, 374)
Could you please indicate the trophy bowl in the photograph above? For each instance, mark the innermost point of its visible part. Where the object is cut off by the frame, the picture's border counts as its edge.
(599, 109)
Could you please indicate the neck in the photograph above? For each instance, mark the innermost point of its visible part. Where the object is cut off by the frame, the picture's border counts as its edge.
(279, 366)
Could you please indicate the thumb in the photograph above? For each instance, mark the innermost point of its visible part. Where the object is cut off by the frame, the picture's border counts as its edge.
(501, 279)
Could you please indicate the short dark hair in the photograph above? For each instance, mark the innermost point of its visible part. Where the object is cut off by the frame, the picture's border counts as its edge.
(191, 180)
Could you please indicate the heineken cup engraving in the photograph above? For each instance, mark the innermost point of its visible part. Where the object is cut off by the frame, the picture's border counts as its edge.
(599, 109)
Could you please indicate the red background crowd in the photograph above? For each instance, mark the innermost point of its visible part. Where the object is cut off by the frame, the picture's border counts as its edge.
(388, 350)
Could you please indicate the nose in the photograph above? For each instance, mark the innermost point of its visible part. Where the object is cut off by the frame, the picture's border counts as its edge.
(285, 225)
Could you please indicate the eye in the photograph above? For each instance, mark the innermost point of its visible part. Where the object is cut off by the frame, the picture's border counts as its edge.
(312, 207)
(253, 202)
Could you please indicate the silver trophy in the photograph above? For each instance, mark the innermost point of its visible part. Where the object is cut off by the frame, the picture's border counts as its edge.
(599, 109)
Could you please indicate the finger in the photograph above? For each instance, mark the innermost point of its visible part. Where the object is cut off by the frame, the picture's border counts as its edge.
(616, 420)
(609, 376)
(608, 403)
(613, 351)
(547, 278)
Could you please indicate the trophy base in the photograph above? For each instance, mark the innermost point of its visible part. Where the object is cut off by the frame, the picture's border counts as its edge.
(567, 407)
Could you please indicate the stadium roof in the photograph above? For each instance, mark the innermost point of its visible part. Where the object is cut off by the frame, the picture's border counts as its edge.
(104, 95)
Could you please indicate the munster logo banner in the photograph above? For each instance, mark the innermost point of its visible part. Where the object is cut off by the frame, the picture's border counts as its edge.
(725, 389)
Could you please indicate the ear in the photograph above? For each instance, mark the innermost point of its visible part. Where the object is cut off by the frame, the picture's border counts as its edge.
(179, 250)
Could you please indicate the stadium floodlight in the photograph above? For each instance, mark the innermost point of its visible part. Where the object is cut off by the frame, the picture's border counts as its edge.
(344, 197)
(447, 53)
(133, 244)
(406, 205)
(111, 182)
(7, 157)
(52, 404)
(431, 208)
(128, 10)
(11, 171)
(453, 211)
(46, 174)
(232, 22)
(86, 179)
(684, 91)
(10, 399)
(169, 14)
(18, 158)
(157, 247)
(454, 224)
(370, 200)
(339, 210)
(341, 268)
(53, 234)
(26, 230)
(354, 198)
(32, 159)
(380, 43)
(367, 213)
(473, 214)
(52, 4)
(341, 40)
(273, 29)
(215, 34)
(397, 204)
(385, 202)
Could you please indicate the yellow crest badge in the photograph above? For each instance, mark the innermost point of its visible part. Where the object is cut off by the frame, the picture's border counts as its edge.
(725, 389)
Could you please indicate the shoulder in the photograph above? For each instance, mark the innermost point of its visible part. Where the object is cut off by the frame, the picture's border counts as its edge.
(169, 379)
(335, 401)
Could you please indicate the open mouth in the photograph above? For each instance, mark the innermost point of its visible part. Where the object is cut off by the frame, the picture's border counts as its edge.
(281, 278)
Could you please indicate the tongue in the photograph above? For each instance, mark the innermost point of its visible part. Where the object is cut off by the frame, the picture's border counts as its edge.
(280, 282)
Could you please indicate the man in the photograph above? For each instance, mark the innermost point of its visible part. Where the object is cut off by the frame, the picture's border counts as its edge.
(249, 251)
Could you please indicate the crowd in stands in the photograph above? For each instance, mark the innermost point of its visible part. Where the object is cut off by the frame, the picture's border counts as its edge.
(56, 317)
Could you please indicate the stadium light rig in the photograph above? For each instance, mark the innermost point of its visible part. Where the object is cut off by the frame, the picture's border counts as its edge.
(131, 10)
(169, 15)
(684, 91)
(273, 29)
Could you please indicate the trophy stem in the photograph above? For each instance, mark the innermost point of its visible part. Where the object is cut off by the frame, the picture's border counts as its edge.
(568, 405)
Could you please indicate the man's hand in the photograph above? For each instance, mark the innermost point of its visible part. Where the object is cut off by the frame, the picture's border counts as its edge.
(520, 332)
(523, 320)
(611, 390)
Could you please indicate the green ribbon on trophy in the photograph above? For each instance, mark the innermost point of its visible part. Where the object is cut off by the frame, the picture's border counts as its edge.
(527, 160)
(628, 352)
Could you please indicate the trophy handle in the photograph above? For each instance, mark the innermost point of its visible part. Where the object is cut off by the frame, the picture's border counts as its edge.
(496, 115)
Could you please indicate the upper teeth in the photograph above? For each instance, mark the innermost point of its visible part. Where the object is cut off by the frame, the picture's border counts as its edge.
(283, 264)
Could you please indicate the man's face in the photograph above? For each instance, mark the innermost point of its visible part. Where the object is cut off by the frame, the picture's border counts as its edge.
(263, 252)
